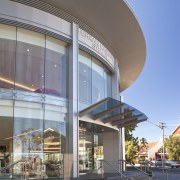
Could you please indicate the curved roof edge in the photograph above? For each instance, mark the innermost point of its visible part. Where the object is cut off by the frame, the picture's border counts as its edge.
(117, 25)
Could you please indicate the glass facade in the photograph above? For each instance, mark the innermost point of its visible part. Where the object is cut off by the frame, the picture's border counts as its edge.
(34, 105)
(33, 102)
(94, 80)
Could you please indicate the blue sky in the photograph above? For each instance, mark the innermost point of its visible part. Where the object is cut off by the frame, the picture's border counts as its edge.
(156, 92)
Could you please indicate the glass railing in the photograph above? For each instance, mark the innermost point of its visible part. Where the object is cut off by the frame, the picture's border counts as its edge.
(9, 94)
(31, 168)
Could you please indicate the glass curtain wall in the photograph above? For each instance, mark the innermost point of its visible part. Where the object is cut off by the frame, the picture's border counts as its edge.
(94, 80)
(85, 77)
(33, 97)
(7, 71)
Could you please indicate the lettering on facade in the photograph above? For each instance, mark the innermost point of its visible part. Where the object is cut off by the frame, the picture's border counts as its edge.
(96, 46)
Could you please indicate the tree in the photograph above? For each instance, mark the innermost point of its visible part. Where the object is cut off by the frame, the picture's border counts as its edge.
(172, 145)
(133, 147)
(128, 133)
(130, 151)
(143, 143)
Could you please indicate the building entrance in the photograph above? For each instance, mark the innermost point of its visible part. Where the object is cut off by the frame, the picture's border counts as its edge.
(93, 145)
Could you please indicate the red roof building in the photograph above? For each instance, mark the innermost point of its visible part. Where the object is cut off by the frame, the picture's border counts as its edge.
(176, 132)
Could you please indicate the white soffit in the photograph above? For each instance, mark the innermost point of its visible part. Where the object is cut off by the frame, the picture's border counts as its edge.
(116, 24)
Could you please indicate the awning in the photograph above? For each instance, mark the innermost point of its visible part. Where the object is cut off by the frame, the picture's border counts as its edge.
(115, 112)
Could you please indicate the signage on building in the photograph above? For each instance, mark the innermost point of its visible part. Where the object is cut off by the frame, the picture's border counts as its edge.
(93, 44)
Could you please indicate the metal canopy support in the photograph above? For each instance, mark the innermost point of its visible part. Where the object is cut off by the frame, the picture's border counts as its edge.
(121, 121)
(96, 116)
(106, 120)
(113, 109)
(131, 123)
(92, 107)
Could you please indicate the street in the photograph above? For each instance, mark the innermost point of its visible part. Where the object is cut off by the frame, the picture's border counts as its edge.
(160, 174)
(170, 174)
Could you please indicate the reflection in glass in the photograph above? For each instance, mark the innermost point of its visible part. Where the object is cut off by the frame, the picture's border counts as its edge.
(85, 77)
(55, 67)
(29, 60)
(32, 127)
(28, 145)
(6, 140)
(108, 83)
(94, 80)
(98, 83)
(54, 147)
(7, 56)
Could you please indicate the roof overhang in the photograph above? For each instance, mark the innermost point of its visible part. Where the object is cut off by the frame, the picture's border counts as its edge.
(116, 24)
(113, 112)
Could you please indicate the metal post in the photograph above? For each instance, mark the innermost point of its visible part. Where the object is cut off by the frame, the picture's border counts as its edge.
(162, 126)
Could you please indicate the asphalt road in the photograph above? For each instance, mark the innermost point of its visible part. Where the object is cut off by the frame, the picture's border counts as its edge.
(161, 174)
(167, 174)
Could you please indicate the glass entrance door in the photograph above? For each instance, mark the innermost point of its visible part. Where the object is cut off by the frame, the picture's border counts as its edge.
(90, 148)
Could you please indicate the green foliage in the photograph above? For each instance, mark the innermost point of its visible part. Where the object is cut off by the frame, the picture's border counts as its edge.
(128, 132)
(133, 145)
(172, 145)
(130, 151)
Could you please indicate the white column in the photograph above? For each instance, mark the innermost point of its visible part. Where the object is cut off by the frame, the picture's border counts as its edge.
(115, 82)
(116, 95)
(122, 155)
(71, 163)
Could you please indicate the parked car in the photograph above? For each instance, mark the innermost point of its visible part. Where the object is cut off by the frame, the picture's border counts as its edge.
(173, 164)
(158, 163)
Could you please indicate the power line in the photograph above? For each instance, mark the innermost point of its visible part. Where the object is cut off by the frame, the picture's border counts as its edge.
(152, 123)
(167, 125)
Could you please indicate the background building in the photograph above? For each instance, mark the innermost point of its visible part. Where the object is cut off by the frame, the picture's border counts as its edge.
(62, 67)
(176, 132)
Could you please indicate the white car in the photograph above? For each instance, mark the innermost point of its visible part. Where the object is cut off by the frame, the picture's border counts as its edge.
(173, 164)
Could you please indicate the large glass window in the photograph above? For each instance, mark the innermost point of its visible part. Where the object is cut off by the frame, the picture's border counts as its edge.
(54, 139)
(94, 80)
(7, 56)
(32, 131)
(98, 83)
(28, 137)
(29, 60)
(108, 83)
(33, 62)
(85, 75)
(55, 67)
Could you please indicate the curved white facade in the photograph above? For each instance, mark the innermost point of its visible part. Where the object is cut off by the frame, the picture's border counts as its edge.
(59, 90)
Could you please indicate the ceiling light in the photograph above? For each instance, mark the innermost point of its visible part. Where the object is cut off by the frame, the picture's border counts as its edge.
(16, 84)
(27, 50)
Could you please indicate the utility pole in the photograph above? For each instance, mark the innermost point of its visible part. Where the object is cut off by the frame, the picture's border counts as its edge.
(162, 126)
